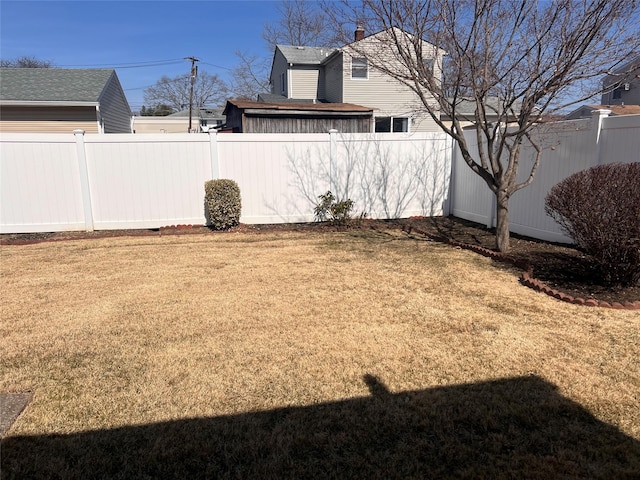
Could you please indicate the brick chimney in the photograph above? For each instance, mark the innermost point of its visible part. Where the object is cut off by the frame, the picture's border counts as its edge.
(359, 33)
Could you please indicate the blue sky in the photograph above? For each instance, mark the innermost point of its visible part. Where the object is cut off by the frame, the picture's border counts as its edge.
(119, 34)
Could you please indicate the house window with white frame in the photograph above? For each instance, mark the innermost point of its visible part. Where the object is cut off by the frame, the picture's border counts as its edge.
(392, 124)
(359, 68)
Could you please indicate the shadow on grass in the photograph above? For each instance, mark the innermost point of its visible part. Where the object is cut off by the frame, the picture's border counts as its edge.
(513, 428)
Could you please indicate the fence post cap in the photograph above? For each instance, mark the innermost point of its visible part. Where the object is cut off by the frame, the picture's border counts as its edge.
(333, 130)
(78, 131)
(601, 112)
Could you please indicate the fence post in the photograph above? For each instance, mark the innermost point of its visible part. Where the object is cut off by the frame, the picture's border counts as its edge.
(453, 158)
(333, 154)
(597, 117)
(213, 149)
(84, 179)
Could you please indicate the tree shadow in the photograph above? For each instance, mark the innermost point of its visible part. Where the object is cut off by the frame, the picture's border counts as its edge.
(512, 428)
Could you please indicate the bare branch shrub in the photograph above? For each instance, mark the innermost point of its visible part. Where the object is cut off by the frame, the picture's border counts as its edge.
(600, 209)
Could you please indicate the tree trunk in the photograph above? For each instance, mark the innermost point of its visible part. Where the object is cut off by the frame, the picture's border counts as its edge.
(502, 221)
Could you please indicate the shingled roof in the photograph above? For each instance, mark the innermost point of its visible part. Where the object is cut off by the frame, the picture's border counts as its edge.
(262, 107)
(54, 85)
(305, 55)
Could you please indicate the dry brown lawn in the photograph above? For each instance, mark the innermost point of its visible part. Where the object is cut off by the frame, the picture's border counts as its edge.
(366, 354)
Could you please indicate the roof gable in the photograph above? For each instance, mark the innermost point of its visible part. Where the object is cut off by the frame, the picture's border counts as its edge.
(53, 84)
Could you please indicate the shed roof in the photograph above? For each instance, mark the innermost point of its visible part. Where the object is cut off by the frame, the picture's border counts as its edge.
(59, 85)
(584, 111)
(288, 107)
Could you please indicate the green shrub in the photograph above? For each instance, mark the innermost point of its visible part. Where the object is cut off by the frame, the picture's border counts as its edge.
(332, 210)
(600, 209)
(223, 205)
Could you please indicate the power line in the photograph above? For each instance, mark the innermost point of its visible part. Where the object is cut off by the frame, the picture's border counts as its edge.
(152, 63)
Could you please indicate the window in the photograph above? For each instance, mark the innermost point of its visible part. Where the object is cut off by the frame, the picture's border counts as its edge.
(359, 68)
(392, 124)
(617, 93)
(282, 78)
(428, 65)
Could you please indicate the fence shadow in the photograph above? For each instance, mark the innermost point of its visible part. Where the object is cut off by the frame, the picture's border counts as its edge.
(512, 428)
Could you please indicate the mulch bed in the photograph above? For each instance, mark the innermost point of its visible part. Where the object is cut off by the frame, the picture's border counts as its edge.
(561, 267)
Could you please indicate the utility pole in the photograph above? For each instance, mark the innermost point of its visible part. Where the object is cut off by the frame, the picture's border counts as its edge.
(194, 74)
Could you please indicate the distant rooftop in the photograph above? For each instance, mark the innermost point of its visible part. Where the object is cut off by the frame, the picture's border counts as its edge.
(53, 84)
(305, 55)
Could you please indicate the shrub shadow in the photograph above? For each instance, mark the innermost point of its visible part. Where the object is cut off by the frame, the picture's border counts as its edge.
(512, 428)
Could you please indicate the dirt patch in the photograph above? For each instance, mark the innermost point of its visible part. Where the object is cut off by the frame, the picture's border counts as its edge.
(561, 267)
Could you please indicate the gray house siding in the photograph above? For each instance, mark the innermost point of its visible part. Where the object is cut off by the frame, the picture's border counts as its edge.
(114, 109)
(333, 79)
(280, 66)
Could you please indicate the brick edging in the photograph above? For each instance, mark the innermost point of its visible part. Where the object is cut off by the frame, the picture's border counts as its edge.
(527, 278)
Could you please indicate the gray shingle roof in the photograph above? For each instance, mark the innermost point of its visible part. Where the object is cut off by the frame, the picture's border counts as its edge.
(53, 84)
(305, 55)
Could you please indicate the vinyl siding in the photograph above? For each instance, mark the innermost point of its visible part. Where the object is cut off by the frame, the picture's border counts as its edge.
(115, 111)
(279, 66)
(333, 79)
(388, 96)
(48, 119)
(161, 124)
(305, 82)
(381, 91)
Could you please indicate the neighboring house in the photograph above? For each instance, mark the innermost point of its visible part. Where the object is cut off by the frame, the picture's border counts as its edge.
(466, 108)
(627, 91)
(296, 117)
(59, 100)
(344, 75)
(585, 111)
(202, 120)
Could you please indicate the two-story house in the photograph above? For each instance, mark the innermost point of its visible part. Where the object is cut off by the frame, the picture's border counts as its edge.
(346, 75)
(626, 80)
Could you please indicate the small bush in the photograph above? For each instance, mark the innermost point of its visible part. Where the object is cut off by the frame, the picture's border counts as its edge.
(600, 209)
(222, 200)
(332, 210)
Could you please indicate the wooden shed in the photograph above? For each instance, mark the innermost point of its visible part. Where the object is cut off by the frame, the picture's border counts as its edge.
(291, 117)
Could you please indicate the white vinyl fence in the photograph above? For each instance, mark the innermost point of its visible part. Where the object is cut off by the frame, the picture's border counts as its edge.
(55, 182)
(568, 147)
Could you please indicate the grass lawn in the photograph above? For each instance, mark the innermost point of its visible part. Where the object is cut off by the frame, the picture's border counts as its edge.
(364, 354)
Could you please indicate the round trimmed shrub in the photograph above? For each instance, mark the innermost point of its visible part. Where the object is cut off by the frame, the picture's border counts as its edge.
(222, 200)
(599, 209)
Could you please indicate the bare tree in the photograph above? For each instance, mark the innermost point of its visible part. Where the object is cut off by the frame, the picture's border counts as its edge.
(208, 90)
(301, 22)
(519, 60)
(250, 76)
(26, 62)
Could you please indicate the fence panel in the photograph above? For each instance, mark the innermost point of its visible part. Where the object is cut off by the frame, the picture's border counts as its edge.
(620, 139)
(147, 181)
(471, 198)
(39, 184)
(391, 175)
(567, 147)
(279, 175)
